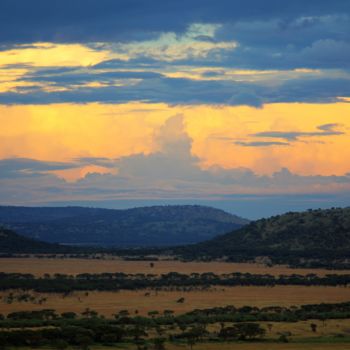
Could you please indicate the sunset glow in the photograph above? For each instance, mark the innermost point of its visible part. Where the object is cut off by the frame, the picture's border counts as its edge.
(237, 105)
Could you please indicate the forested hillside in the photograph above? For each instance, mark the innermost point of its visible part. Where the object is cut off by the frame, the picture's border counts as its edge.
(12, 243)
(313, 234)
(138, 227)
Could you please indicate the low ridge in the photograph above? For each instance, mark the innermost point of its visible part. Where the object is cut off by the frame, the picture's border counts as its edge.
(314, 234)
(138, 227)
(12, 243)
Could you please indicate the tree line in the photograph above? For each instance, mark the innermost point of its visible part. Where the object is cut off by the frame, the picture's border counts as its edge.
(49, 328)
(61, 283)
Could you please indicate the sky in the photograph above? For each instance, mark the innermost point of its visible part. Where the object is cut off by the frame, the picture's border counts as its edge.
(241, 105)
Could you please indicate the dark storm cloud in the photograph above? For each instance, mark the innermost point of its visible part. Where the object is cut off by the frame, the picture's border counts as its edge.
(168, 90)
(320, 54)
(135, 63)
(266, 35)
(297, 32)
(157, 88)
(78, 77)
(23, 21)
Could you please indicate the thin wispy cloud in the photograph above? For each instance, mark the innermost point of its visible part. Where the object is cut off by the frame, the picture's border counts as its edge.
(324, 130)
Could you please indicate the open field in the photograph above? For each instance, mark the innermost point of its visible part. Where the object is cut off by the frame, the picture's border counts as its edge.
(108, 303)
(328, 335)
(236, 346)
(39, 267)
(260, 346)
(301, 331)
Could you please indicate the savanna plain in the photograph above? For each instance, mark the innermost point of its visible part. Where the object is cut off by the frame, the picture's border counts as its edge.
(184, 315)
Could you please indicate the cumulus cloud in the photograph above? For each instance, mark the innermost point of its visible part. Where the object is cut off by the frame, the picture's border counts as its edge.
(171, 171)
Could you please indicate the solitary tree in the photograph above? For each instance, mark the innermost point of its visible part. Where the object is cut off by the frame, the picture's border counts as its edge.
(60, 344)
(84, 341)
(191, 341)
(159, 344)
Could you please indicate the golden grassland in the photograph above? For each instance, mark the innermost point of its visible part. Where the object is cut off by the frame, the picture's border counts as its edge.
(234, 346)
(109, 303)
(41, 266)
(143, 301)
(296, 331)
(260, 346)
(301, 330)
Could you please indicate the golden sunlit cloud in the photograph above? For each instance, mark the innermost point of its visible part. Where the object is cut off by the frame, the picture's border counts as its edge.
(72, 175)
(220, 129)
(53, 55)
(66, 131)
(266, 77)
(167, 46)
(221, 136)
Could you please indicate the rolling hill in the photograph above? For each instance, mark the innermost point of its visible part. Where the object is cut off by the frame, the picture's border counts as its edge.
(12, 243)
(313, 234)
(138, 227)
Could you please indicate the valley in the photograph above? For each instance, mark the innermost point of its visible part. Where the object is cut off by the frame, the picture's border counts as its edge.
(187, 297)
(38, 266)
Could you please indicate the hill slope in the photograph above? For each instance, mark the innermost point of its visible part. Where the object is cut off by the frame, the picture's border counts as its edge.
(12, 243)
(311, 234)
(148, 226)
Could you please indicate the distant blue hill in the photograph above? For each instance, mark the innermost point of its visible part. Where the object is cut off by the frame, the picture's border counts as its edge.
(138, 227)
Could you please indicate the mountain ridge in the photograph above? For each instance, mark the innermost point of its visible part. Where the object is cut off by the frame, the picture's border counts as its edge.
(135, 227)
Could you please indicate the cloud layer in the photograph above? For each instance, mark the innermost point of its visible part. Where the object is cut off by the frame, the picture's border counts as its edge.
(184, 53)
(198, 100)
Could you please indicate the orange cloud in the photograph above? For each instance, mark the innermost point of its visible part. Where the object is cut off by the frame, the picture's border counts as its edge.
(63, 132)
(216, 135)
(49, 55)
(74, 174)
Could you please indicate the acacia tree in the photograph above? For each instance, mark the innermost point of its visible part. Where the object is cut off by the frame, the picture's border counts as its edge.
(249, 330)
(191, 341)
(84, 342)
(159, 344)
(60, 344)
(313, 327)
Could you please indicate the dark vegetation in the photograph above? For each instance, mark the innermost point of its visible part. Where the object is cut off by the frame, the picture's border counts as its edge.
(22, 328)
(315, 238)
(171, 281)
(139, 227)
(12, 243)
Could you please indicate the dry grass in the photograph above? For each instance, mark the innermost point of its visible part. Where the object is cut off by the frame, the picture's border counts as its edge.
(262, 346)
(108, 303)
(39, 267)
(235, 346)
